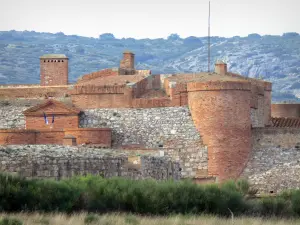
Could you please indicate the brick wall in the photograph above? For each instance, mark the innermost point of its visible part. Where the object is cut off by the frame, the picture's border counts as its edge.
(16, 136)
(285, 110)
(92, 101)
(101, 73)
(221, 113)
(54, 72)
(99, 136)
(47, 136)
(60, 121)
(13, 92)
(148, 83)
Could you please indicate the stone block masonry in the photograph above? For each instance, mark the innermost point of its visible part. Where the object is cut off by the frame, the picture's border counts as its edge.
(12, 117)
(56, 162)
(168, 128)
(274, 169)
(274, 162)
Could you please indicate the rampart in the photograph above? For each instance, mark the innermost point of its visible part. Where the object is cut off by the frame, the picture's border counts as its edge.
(32, 91)
(56, 162)
(274, 162)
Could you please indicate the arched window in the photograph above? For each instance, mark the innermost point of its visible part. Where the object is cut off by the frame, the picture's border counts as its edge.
(62, 60)
(58, 60)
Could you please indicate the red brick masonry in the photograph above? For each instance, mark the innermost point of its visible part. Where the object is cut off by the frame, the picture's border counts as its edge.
(95, 136)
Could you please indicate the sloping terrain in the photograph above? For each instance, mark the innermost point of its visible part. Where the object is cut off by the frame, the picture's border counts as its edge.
(274, 58)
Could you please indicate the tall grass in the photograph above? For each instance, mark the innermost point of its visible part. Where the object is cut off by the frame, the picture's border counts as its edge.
(129, 219)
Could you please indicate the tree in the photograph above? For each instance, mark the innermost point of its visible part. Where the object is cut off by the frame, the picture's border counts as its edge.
(173, 37)
(107, 36)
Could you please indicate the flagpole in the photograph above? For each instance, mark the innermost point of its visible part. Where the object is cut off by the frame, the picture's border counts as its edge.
(208, 47)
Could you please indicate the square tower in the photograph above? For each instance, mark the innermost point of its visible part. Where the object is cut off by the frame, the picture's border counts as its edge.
(54, 69)
(128, 61)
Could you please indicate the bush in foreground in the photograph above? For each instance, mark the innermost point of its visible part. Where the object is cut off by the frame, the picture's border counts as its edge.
(97, 194)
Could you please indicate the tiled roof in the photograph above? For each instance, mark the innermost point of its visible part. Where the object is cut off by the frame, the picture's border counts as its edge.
(285, 122)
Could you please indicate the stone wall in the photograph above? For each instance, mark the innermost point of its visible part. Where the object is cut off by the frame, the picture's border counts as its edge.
(12, 116)
(168, 128)
(274, 164)
(50, 161)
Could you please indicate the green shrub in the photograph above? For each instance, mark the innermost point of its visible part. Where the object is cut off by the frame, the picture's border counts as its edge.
(10, 221)
(272, 206)
(97, 194)
(295, 202)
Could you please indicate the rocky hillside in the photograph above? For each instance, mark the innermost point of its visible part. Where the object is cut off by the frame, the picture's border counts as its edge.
(274, 58)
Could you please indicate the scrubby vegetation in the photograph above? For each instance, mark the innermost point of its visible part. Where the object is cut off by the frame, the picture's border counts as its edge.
(148, 197)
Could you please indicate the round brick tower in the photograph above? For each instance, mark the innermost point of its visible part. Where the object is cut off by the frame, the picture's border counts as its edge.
(221, 112)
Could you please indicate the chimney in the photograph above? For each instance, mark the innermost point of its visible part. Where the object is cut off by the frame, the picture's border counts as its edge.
(220, 67)
(127, 62)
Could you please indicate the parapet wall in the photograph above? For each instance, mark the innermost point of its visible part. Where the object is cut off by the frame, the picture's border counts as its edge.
(286, 110)
(274, 162)
(56, 162)
(101, 73)
(33, 91)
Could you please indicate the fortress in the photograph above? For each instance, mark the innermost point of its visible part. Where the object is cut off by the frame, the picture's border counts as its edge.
(210, 127)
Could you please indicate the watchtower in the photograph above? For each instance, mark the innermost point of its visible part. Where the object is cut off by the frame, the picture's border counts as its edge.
(54, 69)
